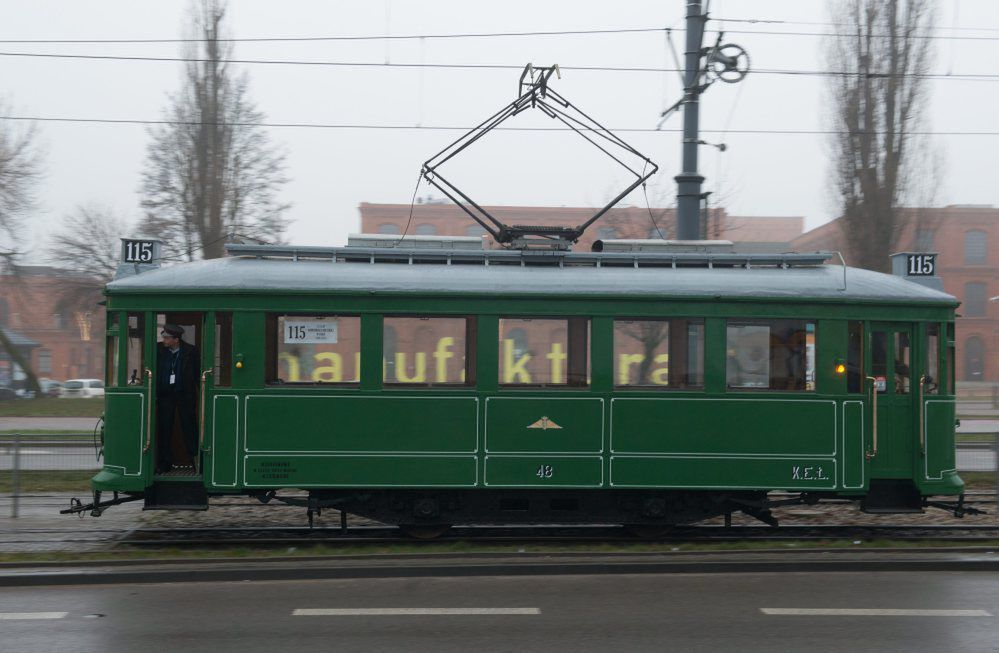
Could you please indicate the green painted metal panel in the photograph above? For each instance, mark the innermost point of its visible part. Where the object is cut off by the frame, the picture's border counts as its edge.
(312, 471)
(124, 432)
(940, 453)
(761, 426)
(739, 473)
(224, 440)
(248, 347)
(854, 444)
(562, 424)
(542, 470)
(384, 423)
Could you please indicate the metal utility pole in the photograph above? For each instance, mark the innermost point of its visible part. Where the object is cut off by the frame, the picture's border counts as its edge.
(688, 196)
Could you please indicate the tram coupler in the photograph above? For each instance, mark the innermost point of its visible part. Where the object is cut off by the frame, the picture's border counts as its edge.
(96, 509)
(959, 509)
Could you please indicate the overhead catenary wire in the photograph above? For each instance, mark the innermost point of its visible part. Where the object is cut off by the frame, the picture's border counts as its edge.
(363, 126)
(486, 66)
(365, 37)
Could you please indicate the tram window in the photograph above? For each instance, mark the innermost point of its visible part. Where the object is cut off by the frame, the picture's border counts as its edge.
(932, 383)
(223, 350)
(429, 350)
(544, 352)
(315, 349)
(659, 353)
(111, 359)
(951, 360)
(771, 354)
(855, 357)
(134, 348)
(879, 360)
(902, 368)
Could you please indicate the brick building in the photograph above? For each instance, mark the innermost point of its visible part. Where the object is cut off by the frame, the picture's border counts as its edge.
(966, 239)
(58, 312)
(446, 219)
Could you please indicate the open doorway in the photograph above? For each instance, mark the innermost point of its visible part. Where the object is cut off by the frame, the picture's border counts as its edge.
(177, 369)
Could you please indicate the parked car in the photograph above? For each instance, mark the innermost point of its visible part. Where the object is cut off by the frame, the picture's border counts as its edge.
(82, 388)
(6, 394)
(50, 388)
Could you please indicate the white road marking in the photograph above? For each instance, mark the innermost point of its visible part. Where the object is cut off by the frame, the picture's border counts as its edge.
(32, 615)
(355, 612)
(873, 612)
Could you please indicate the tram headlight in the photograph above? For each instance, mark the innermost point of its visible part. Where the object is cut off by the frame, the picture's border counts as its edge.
(840, 367)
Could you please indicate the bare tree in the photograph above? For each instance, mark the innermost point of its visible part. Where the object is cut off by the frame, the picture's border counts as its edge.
(212, 172)
(878, 61)
(20, 170)
(87, 242)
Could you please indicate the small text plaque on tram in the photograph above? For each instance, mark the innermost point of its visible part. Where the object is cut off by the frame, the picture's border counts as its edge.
(310, 332)
(920, 265)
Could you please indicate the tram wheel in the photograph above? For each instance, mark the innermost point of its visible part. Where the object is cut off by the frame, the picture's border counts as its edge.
(424, 531)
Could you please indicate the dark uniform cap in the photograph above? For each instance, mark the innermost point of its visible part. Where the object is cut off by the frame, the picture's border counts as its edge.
(172, 330)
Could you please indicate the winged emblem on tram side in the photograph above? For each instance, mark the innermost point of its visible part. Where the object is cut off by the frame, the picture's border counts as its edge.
(544, 424)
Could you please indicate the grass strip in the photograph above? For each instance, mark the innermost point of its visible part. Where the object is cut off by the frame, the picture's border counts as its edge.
(52, 407)
(30, 481)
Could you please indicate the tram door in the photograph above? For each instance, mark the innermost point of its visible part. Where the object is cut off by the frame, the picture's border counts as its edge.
(176, 419)
(891, 359)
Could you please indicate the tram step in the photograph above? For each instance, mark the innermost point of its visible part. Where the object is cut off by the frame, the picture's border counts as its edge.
(888, 496)
(176, 495)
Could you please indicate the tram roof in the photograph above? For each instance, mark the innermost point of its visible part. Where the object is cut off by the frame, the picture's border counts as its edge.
(568, 275)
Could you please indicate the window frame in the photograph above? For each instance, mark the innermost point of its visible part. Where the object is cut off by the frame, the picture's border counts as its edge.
(768, 322)
(669, 387)
(471, 341)
(587, 383)
(271, 379)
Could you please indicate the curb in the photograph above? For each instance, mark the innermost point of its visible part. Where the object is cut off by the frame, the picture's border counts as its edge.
(300, 570)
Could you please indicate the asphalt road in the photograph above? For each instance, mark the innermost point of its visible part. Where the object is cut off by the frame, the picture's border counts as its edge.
(815, 612)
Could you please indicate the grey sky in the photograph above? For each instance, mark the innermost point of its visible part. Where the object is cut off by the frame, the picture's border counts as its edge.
(333, 170)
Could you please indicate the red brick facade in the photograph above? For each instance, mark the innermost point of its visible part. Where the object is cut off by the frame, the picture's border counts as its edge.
(43, 304)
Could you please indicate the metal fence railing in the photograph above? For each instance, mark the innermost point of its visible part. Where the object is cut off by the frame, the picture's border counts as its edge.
(38, 464)
(32, 464)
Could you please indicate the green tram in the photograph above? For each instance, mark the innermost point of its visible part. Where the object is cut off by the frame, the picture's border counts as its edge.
(430, 381)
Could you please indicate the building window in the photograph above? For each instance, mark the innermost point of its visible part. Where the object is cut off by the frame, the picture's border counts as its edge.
(475, 231)
(974, 299)
(924, 240)
(544, 352)
(44, 361)
(975, 252)
(607, 233)
(58, 321)
(974, 359)
(659, 353)
(389, 228)
(315, 349)
(771, 355)
(426, 230)
(4, 312)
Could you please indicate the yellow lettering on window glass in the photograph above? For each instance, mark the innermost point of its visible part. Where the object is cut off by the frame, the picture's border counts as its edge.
(332, 373)
(660, 375)
(293, 366)
(557, 356)
(441, 356)
(357, 367)
(625, 361)
(514, 371)
(420, 368)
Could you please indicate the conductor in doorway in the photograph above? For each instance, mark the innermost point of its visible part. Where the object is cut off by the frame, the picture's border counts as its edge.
(176, 395)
